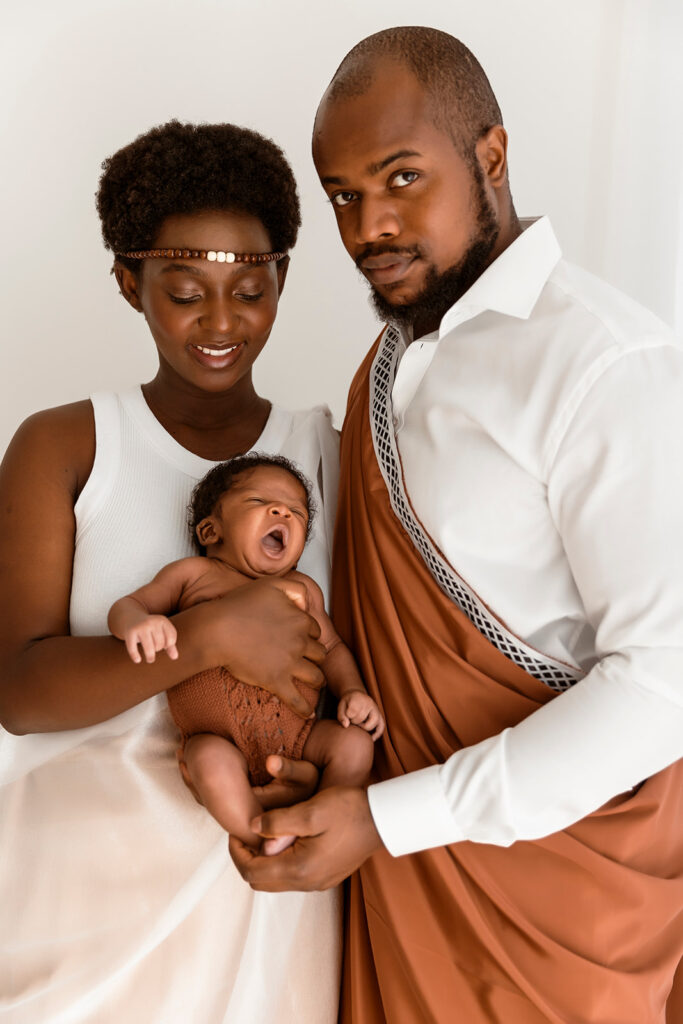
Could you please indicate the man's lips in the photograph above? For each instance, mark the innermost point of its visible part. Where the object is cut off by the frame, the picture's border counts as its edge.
(387, 268)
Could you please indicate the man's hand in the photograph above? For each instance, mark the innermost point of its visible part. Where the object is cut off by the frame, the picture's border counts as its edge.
(293, 781)
(335, 834)
(261, 633)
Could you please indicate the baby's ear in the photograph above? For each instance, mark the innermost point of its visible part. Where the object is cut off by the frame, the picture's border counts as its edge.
(208, 532)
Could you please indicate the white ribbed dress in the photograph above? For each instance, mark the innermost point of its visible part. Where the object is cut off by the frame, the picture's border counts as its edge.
(118, 899)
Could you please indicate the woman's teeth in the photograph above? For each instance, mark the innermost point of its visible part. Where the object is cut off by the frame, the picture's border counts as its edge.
(215, 351)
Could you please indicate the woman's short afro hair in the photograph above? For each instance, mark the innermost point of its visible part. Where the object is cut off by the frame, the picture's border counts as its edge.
(189, 168)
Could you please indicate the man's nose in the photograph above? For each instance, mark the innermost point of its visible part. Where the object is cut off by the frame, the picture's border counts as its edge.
(377, 219)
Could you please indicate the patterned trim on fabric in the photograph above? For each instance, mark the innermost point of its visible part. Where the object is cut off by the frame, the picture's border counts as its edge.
(554, 674)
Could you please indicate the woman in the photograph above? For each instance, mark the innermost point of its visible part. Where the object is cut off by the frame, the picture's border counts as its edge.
(119, 898)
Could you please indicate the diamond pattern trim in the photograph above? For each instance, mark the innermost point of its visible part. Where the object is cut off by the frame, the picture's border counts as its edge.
(554, 674)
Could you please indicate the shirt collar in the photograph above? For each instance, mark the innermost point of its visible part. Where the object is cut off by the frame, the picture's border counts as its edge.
(514, 281)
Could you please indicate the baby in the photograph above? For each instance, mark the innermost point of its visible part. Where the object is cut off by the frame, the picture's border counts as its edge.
(251, 516)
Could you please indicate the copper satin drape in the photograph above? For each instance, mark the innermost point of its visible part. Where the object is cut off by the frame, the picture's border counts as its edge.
(583, 926)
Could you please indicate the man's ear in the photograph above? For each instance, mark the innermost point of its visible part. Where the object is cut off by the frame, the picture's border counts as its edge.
(208, 532)
(491, 150)
(282, 268)
(129, 284)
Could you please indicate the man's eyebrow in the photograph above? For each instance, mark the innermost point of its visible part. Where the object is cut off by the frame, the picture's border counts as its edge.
(398, 155)
(375, 168)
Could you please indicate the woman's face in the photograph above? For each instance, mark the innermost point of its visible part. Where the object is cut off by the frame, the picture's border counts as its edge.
(209, 320)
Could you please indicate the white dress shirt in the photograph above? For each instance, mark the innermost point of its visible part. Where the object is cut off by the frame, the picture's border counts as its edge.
(541, 436)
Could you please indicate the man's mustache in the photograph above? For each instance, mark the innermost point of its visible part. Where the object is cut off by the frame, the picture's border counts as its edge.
(371, 251)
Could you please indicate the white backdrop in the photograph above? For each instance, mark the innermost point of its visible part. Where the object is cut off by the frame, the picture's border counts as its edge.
(589, 94)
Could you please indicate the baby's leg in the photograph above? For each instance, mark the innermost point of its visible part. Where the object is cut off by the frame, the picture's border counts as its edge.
(218, 771)
(344, 755)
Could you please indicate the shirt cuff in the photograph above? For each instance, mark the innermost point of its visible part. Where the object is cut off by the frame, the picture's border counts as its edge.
(411, 812)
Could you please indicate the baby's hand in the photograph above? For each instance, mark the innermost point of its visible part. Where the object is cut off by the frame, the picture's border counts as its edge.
(358, 708)
(155, 633)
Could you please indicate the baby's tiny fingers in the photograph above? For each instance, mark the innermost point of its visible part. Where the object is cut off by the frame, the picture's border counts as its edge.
(132, 648)
(149, 648)
(172, 652)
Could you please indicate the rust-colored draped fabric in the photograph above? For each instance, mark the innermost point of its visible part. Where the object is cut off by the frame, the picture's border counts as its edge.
(582, 926)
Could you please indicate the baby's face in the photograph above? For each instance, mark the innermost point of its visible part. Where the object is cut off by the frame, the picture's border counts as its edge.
(263, 520)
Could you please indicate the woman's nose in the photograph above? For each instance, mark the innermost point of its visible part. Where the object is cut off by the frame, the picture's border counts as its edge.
(220, 316)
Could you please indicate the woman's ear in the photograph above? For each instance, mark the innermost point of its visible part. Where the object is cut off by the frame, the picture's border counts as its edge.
(208, 532)
(281, 268)
(129, 285)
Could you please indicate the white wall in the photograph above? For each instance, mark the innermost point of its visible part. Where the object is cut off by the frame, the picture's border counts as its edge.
(588, 95)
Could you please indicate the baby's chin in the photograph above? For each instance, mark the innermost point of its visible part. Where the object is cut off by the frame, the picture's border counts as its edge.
(259, 569)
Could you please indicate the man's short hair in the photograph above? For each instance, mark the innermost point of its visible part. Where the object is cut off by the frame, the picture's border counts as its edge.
(462, 98)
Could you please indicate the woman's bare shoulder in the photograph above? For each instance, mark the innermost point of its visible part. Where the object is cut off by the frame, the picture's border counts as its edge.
(58, 442)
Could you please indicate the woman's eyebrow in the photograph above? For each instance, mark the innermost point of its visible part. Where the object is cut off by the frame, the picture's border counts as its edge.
(185, 268)
(237, 269)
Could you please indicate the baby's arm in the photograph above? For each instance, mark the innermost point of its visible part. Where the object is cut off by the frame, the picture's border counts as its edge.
(356, 706)
(140, 617)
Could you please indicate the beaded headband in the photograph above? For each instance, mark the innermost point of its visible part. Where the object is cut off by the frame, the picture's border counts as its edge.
(203, 254)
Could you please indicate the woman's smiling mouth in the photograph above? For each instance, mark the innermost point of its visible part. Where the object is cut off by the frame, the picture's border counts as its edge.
(216, 357)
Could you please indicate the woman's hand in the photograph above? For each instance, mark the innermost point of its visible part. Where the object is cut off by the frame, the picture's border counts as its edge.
(265, 638)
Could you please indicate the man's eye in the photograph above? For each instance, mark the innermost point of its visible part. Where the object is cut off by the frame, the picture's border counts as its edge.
(404, 178)
(249, 296)
(183, 299)
(342, 198)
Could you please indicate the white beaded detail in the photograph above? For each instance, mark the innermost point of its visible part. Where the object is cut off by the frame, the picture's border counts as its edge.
(211, 255)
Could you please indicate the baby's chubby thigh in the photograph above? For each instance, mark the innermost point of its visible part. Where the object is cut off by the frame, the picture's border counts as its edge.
(218, 771)
(344, 754)
(210, 759)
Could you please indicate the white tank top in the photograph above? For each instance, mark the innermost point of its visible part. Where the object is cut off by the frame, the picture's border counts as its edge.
(131, 908)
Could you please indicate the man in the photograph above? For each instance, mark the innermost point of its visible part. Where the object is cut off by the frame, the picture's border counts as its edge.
(509, 573)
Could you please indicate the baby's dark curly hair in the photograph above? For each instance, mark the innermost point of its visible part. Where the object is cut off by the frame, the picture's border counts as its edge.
(189, 168)
(221, 478)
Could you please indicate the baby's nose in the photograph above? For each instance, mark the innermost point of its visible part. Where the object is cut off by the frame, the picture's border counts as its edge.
(280, 510)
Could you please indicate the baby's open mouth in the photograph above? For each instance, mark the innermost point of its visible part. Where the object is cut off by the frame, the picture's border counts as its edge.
(275, 540)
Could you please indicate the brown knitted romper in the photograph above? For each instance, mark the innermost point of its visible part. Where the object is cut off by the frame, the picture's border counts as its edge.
(214, 701)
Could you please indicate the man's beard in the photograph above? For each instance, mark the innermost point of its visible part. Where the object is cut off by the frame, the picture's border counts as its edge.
(441, 290)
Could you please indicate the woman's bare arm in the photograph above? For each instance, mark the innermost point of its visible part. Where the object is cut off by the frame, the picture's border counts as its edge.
(50, 680)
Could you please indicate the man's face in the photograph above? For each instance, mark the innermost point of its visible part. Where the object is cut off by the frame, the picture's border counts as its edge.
(413, 214)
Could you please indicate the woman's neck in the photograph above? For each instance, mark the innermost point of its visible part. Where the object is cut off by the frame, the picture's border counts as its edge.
(213, 426)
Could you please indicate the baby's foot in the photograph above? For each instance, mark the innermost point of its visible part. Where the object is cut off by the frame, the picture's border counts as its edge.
(272, 846)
